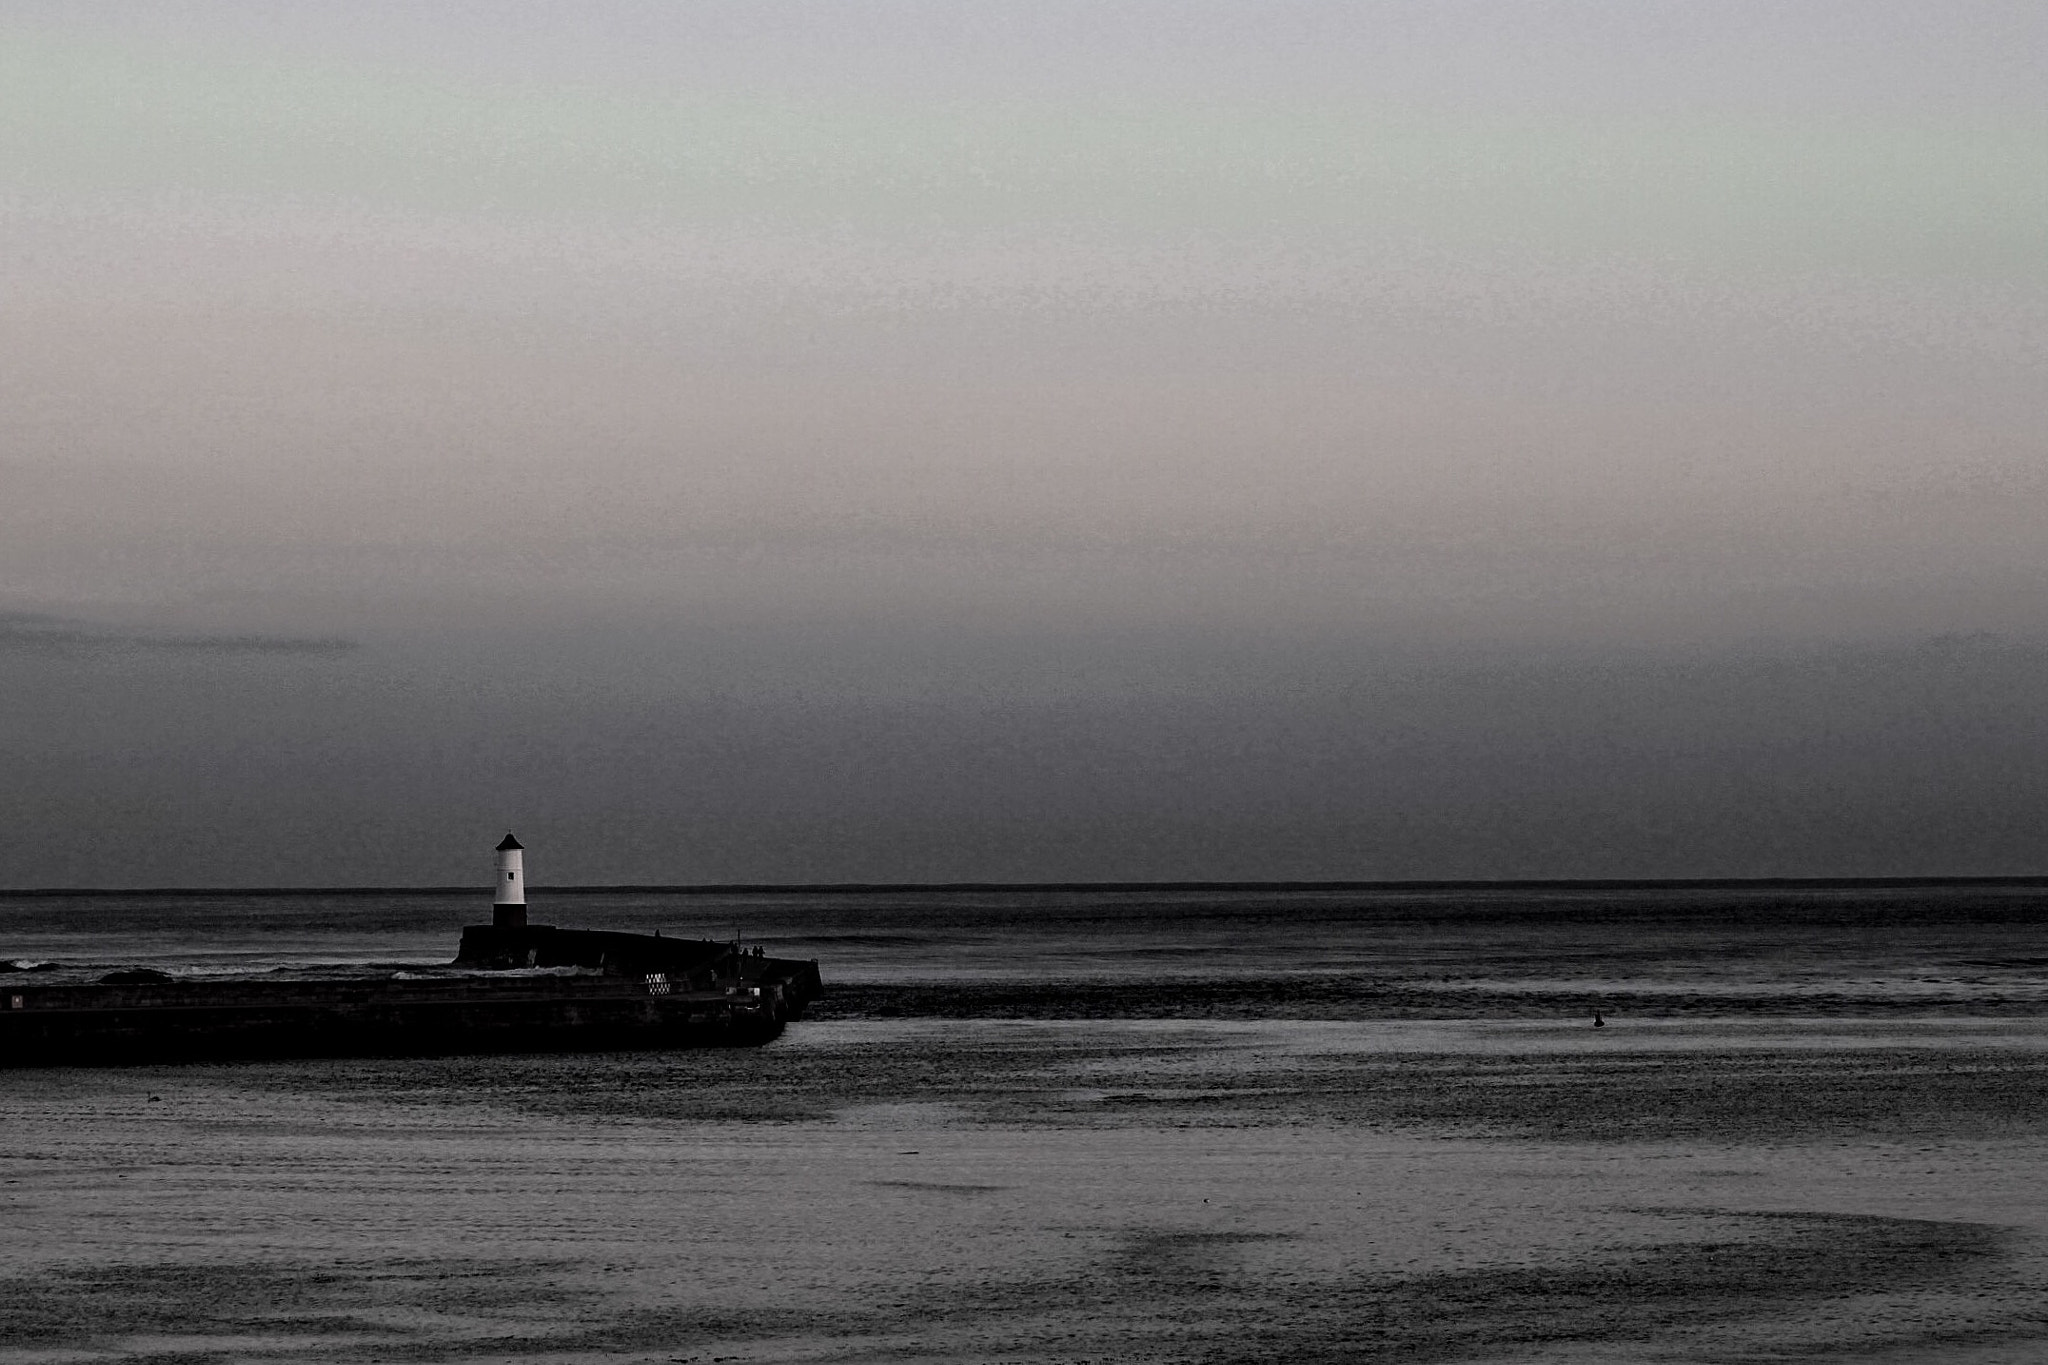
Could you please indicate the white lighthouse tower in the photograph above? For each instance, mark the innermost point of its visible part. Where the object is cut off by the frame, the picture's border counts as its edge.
(508, 911)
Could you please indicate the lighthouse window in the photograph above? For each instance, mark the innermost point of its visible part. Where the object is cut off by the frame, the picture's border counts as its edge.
(509, 876)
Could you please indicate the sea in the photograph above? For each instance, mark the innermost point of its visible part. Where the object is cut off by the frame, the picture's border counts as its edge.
(1702, 1122)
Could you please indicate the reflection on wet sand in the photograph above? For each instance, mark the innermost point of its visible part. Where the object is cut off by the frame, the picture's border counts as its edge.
(1053, 1191)
(1117, 1126)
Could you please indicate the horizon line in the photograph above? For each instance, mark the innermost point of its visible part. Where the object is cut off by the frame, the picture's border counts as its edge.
(910, 888)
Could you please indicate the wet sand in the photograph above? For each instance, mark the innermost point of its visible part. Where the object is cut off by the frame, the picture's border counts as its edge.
(994, 1189)
(1090, 1126)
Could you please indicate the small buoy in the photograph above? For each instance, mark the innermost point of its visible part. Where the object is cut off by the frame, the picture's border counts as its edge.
(1598, 1022)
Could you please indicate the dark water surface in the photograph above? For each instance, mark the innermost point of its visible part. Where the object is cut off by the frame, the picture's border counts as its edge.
(1052, 1126)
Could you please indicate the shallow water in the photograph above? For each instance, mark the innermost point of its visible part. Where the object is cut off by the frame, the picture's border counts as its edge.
(1276, 1152)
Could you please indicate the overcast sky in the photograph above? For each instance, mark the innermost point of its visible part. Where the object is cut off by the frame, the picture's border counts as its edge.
(894, 441)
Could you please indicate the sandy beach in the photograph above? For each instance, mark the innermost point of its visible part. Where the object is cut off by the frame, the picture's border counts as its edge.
(1056, 1191)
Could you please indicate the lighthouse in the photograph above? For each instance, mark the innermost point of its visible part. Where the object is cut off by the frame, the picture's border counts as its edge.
(508, 911)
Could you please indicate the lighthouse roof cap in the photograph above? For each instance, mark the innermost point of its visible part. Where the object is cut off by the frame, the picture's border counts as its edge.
(510, 843)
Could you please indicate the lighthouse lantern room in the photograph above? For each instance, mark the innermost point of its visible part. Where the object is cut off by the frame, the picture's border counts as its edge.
(509, 909)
